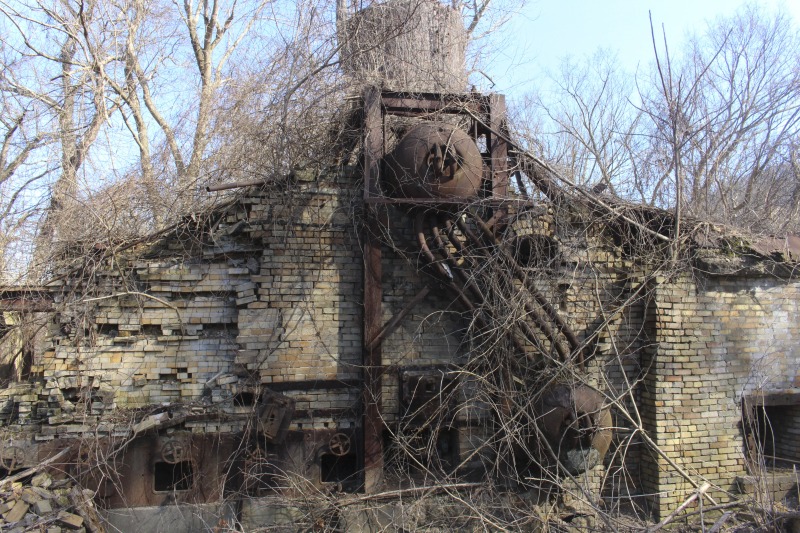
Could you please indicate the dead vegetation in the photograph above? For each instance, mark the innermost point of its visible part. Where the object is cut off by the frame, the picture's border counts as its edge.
(546, 289)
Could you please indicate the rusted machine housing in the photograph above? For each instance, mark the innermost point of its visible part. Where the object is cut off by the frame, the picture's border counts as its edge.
(434, 160)
(274, 416)
(576, 424)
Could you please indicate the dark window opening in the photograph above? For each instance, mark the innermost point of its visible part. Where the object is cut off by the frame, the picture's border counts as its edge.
(260, 472)
(4, 473)
(445, 450)
(772, 431)
(27, 360)
(218, 331)
(151, 330)
(171, 477)
(71, 394)
(338, 468)
(427, 393)
(535, 251)
(108, 329)
(244, 399)
(421, 449)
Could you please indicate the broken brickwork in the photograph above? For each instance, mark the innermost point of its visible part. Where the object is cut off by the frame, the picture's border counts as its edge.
(226, 358)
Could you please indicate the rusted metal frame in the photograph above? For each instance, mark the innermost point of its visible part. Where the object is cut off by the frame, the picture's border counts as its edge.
(434, 202)
(545, 184)
(563, 327)
(498, 148)
(373, 363)
(373, 295)
(395, 321)
(423, 103)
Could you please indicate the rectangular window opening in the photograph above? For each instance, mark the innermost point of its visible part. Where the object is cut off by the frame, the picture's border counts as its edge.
(771, 424)
(338, 468)
(173, 477)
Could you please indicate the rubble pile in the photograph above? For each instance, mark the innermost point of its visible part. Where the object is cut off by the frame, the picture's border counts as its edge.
(44, 504)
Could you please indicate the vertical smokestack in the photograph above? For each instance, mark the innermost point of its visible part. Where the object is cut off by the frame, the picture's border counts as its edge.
(405, 45)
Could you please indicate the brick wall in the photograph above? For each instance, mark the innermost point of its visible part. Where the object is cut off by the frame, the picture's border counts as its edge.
(717, 338)
(273, 297)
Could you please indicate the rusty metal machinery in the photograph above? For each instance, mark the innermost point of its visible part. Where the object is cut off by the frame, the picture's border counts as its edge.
(434, 160)
(453, 185)
(12, 458)
(576, 424)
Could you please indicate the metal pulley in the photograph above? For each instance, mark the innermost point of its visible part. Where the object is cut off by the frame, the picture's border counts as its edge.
(434, 160)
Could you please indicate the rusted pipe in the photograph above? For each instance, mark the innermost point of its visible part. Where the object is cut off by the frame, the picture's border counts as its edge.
(563, 327)
(482, 323)
(539, 320)
(419, 230)
(458, 271)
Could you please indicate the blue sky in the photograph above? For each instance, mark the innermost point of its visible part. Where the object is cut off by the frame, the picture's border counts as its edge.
(545, 31)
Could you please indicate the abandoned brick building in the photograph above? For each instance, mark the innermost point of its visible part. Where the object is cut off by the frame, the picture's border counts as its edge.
(371, 326)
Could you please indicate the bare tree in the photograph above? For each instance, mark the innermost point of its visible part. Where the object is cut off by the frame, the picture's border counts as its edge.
(710, 131)
(590, 126)
(50, 68)
(725, 117)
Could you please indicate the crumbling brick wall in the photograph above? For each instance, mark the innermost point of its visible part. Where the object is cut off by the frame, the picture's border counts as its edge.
(269, 294)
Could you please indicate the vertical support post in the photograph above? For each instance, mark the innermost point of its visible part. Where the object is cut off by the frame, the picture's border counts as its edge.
(372, 358)
(499, 147)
